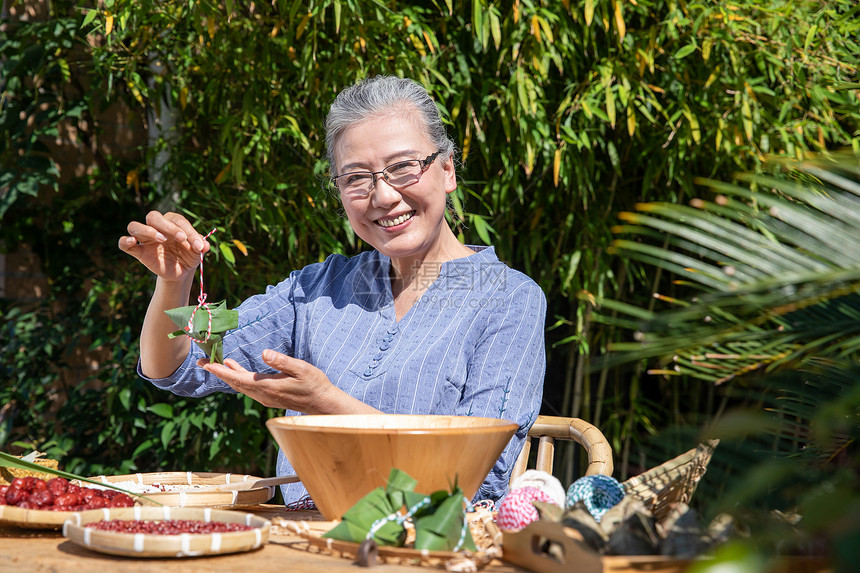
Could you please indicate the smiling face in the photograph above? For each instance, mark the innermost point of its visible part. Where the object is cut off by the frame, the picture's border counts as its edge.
(406, 224)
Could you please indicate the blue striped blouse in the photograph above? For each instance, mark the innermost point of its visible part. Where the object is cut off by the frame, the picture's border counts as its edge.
(473, 344)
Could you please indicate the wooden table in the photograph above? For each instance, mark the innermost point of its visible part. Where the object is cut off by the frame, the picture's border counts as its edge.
(43, 551)
(34, 550)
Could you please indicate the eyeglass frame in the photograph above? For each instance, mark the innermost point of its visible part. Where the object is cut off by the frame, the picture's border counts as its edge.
(425, 164)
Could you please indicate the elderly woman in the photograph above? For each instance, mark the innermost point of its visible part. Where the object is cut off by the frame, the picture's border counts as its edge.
(421, 324)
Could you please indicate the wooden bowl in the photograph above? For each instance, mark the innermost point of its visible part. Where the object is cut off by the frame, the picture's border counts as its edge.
(342, 458)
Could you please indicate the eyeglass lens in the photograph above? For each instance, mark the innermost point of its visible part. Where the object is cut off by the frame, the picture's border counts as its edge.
(398, 175)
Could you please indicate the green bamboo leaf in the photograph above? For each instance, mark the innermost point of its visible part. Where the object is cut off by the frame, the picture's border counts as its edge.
(337, 11)
(478, 21)
(695, 131)
(572, 265)
(88, 19)
(589, 113)
(614, 157)
(495, 28)
(746, 115)
(444, 529)
(222, 320)
(810, 36)
(685, 51)
(485, 31)
(227, 252)
(610, 105)
(376, 506)
(482, 228)
(10, 461)
(525, 104)
(400, 481)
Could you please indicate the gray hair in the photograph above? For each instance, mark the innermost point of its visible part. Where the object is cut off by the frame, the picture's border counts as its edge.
(379, 96)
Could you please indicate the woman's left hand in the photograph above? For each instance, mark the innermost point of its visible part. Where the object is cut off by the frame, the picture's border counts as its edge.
(298, 386)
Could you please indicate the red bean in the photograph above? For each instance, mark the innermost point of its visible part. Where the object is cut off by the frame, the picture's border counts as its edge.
(168, 526)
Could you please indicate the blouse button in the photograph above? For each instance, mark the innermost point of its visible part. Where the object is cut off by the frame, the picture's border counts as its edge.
(384, 346)
(368, 372)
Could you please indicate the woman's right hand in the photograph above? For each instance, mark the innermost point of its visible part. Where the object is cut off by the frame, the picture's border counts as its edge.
(166, 244)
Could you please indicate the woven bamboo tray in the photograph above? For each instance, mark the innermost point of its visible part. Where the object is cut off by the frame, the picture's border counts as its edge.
(8, 474)
(32, 518)
(672, 482)
(203, 488)
(485, 534)
(182, 545)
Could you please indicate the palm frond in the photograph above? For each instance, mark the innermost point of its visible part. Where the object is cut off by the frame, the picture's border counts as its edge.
(773, 274)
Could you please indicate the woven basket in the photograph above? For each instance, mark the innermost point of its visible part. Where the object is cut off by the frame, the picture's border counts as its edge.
(8, 474)
(672, 482)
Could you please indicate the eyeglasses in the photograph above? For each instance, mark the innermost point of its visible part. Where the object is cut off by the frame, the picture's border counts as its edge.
(358, 184)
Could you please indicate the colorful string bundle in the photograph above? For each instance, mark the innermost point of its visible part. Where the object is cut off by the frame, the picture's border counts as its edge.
(598, 493)
(543, 481)
(517, 508)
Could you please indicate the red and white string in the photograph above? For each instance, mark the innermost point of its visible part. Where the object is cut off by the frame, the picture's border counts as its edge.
(201, 303)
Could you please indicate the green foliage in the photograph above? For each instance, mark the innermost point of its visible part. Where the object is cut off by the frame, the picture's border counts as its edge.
(773, 320)
(777, 272)
(34, 65)
(564, 112)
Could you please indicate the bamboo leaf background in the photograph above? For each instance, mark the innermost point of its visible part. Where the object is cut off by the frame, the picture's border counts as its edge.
(566, 114)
